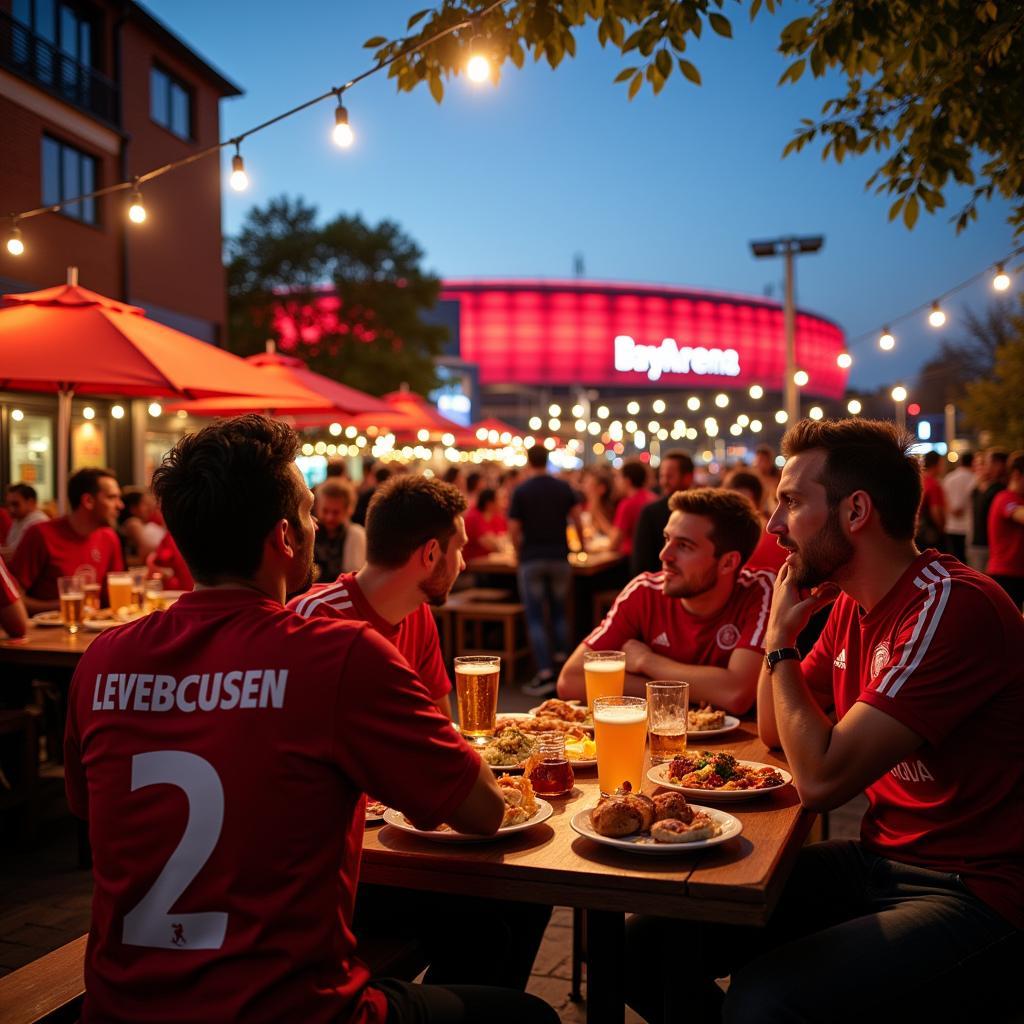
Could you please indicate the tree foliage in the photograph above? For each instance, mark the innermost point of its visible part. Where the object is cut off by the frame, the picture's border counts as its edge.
(932, 86)
(994, 402)
(283, 264)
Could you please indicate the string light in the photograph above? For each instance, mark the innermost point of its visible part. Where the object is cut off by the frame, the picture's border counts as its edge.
(602, 412)
(239, 180)
(800, 378)
(633, 408)
(756, 391)
(693, 403)
(658, 406)
(853, 407)
(899, 393)
(17, 415)
(886, 342)
(844, 360)
(15, 246)
(721, 400)
(117, 411)
(936, 317)
(155, 409)
(89, 413)
(781, 416)
(1001, 281)
(755, 426)
(816, 412)
(136, 208)
(535, 423)
(343, 134)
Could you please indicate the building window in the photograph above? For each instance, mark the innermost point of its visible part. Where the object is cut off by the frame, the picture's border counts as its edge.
(170, 103)
(69, 172)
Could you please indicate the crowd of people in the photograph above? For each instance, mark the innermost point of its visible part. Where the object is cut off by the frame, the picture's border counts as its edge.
(304, 671)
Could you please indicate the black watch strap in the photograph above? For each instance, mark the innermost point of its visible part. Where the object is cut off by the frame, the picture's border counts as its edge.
(772, 658)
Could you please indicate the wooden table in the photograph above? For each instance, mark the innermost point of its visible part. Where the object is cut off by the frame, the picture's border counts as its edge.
(738, 882)
(584, 564)
(46, 647)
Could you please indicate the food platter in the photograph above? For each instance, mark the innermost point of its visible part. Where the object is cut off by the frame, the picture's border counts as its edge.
(374, 811)
(98, 625)
(587, 723)
(659, 776)
(640, 843)
(731, 722)
(398, 820)
(47, 619)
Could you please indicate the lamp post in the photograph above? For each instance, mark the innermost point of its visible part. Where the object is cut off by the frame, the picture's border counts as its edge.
(789, 246)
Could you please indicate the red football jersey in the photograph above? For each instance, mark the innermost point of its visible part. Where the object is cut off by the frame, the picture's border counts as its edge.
(627, 515)
(769, 554)
(941, 654)
(53, 549)
(415, 636)
(220, 751)
(476, 526)
(9, 592)
(1005, 535)
(643, 612)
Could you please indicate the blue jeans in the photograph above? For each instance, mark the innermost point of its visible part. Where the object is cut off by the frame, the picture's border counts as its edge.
(546, 581)
(855, 937)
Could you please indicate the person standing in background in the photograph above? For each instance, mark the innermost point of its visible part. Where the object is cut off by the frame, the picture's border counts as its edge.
(931, 522)
(957, 485)
(990, 483)
(340, 544)
(22, 503)
(1006, 532)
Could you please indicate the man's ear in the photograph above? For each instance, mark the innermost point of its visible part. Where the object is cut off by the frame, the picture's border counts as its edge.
(429, 553)
(729, 563)
(856, 510)
(281, 539)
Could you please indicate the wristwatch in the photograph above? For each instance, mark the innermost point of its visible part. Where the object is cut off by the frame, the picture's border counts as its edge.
(772, 658)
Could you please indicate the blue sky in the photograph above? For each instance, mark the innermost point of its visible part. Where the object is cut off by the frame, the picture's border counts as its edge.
(514, 181)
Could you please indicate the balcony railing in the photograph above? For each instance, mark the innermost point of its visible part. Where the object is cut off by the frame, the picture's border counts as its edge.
(32, 57)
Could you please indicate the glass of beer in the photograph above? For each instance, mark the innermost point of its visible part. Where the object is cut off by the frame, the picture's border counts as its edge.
(154, 596)
(668, 704)
(119, 590)
(72, 601)
(620, 728)
(92, 598)
(138, 575)
(605, 674)
(476, 687)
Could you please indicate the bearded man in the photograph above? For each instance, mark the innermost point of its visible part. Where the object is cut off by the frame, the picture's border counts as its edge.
(702, 618)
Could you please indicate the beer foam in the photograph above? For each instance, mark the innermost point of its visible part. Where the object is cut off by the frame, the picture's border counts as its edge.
(477, 670)
(620, 714)
(604, 666)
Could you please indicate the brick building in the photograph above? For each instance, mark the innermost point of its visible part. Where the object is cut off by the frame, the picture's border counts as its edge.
(92, 93)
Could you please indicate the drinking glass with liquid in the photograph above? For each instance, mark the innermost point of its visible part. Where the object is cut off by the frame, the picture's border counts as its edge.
(668, 706)
(604, 673)
(552, 775)
(71, 590)
(119, 590)
(620, 729)
(476, 688)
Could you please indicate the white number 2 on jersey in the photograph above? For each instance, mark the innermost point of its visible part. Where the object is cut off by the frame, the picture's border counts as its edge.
(149, 922)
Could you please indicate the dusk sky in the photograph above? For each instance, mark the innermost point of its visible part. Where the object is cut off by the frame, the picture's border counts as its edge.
(513, 181)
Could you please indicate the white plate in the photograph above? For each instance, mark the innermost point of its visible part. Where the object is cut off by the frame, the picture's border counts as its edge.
(731, 827)
(372, 817)
(659, 775)
(731, 722)
(514, 716)
(590, 762)
(98, 625)
(48, 620)
(397, 819)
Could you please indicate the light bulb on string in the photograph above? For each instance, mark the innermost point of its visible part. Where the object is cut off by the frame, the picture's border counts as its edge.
(343, 134)
(853, 406)
(936, 317)
(15, 246)
(800, 378)
(136, 208)
(239, 180)
(899, 393)
(1001, 281)
(844, 360)
(756, 391)
(886, 342)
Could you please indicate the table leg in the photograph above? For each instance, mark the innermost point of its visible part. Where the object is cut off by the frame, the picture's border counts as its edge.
(605, 958)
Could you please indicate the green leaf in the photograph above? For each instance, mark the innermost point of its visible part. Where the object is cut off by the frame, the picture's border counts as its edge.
(634, 86)
(689, 71)
(720, 24)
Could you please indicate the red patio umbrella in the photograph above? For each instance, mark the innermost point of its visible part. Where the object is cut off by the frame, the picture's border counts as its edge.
(423, 413)
(68, 339)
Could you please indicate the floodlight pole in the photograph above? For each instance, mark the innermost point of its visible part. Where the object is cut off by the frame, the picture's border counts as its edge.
(788, 247)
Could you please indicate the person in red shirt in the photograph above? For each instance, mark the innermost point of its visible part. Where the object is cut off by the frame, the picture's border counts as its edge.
(702, 618)
(486, 527)
(768, 554)
(931, 523)
(82, 543)
(1006, 533)
(635, 496)
(220, 752)
(13, 617)
(917, 663)
(167, 561)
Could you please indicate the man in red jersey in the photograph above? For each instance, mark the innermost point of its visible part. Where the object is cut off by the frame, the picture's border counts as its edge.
(636, 495)
(1006, 532)
(81, 543)
(917, 665)
(415, 536)
(414, 540)
(702, 618)
(13, 618)
(220, 752)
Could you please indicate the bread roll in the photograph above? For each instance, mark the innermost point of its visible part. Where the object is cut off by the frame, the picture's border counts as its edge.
(615, 818)
(672, 830)
(672, 805)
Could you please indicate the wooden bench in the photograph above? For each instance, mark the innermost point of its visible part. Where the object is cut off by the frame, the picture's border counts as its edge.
(50, 990)
(509, 615)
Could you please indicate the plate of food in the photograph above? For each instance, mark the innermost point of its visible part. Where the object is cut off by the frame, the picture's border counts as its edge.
(374, 810)
(571, 711)
(47, 619)
(582, 753)
(532, 726)
(718, 775)
(509, 748)
(662, 825)
(95, 625)
(523, 810)
(710, 721)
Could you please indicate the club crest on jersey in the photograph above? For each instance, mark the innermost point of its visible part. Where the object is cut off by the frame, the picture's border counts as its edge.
(879, 659)
(728, 637)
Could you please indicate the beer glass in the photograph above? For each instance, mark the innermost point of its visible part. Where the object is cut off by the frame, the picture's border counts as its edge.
(476, 687)
(72, 601)
(138, 575)
(668, 704)
(620, 728)
(154, 596)
(605, 674)
(91, 605)
(119, 590)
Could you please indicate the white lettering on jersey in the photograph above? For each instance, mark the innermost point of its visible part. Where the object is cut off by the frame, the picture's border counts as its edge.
(840, 661)
(912, 771)
(140, 691)
(661, 638)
